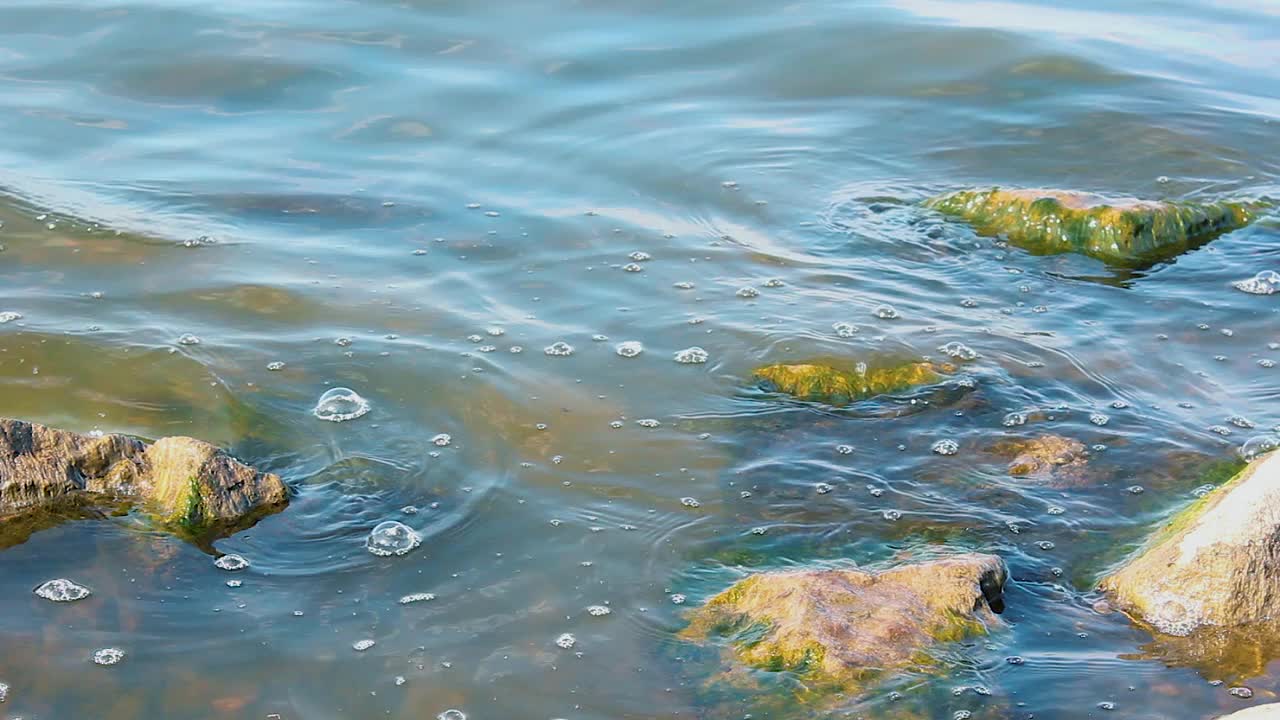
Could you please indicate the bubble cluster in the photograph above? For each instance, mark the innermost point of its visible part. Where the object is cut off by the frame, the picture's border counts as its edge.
(441, 440)
(62, 590)
(9, 316)
(231, 562)
(946, 447)
(362, 645)
(566, 641)
(748, 292)
(391, 538)
(340, 404)
(629, 349)
(691, 356)
(598, 610)
(559, 348)
(885, 312)
(188, 339)
(417, 597)
(108, 656)
(958, 350)
(844, 329)
(1266, 282)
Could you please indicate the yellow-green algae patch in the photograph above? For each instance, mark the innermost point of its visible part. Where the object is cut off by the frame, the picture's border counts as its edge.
(829, 384)
(841, 628)
(1117, 231)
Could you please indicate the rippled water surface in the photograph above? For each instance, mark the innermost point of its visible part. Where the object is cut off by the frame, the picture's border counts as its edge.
(396, 196)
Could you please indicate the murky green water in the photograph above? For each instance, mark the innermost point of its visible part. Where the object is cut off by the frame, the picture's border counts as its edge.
(394, 196)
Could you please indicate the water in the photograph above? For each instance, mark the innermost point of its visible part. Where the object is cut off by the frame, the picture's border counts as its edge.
(342, 194)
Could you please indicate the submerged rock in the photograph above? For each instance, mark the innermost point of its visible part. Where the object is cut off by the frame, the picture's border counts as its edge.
(831, 385)
(1117, 231)
(838, 628)
(1051, 459)
(188, 484)
(1208, 577)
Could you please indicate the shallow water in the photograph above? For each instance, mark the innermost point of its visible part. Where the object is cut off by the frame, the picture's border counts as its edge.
(393, 196)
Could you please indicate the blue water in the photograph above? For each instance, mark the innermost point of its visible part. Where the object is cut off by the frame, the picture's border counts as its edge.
(276, 176)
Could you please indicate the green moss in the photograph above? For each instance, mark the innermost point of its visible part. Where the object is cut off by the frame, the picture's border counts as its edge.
(1128, 234)
(834, 386)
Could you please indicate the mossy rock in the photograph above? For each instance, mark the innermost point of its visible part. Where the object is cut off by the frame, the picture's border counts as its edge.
(838, 630)
(1123, 232)
(825, 383)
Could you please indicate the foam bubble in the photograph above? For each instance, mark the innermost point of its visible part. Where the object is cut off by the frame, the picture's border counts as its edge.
(340, 404)
(62, 590)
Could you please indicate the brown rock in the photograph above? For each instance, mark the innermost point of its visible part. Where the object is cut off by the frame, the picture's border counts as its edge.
(190, 484)
(1050, 459)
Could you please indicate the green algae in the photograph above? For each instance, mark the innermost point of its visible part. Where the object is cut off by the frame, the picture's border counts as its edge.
(829, 384)
(1121, 232)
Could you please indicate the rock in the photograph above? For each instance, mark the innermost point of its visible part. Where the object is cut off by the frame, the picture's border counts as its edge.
(834, 386)
(1050, 459)
(839, 627)
(1122, 231)
(1257, 712)
(1204, 583)
(189, 484)
(196, 485)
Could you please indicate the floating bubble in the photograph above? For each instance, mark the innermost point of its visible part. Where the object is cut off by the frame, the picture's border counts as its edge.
(231, 562)
(1014, 419)
(452, 715)
(885, 312)
(633, 267)
(108, 656)
(342, 342)
(4, 692)
(648, 423)
(683, 285)
(188, 339)
(822, 488)
(690, 502)
(891, 515)
(1266, 282)
(1241, 692)
(62, 590)
(274, 366)
(362, 645)
(1099, 419)
(844, 329)
(441, 440)
(340, 404)
(629, 349)
(9, 316)
(958, 350)
(417, 597)
(235, 583)
(844, 449)
(392, 538)
(639, 256)
(1258, 446)
(566, 641)
(946, 447)
(559, 348)
(691, 356)
(1241, 422)
(598, 610)
(774, 283)
(748, 292)
(677, 599)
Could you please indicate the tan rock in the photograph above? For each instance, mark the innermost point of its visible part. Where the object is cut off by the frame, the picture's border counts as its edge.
(840, 627)
(1270, 711)
(190, 484)
(1216, 564)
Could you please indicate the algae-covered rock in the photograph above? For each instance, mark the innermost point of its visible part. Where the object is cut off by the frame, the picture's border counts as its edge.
(190, 484)
(841, 627)
(196, 486)
(1216, 565)
(1118, 231)
(834, 386)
